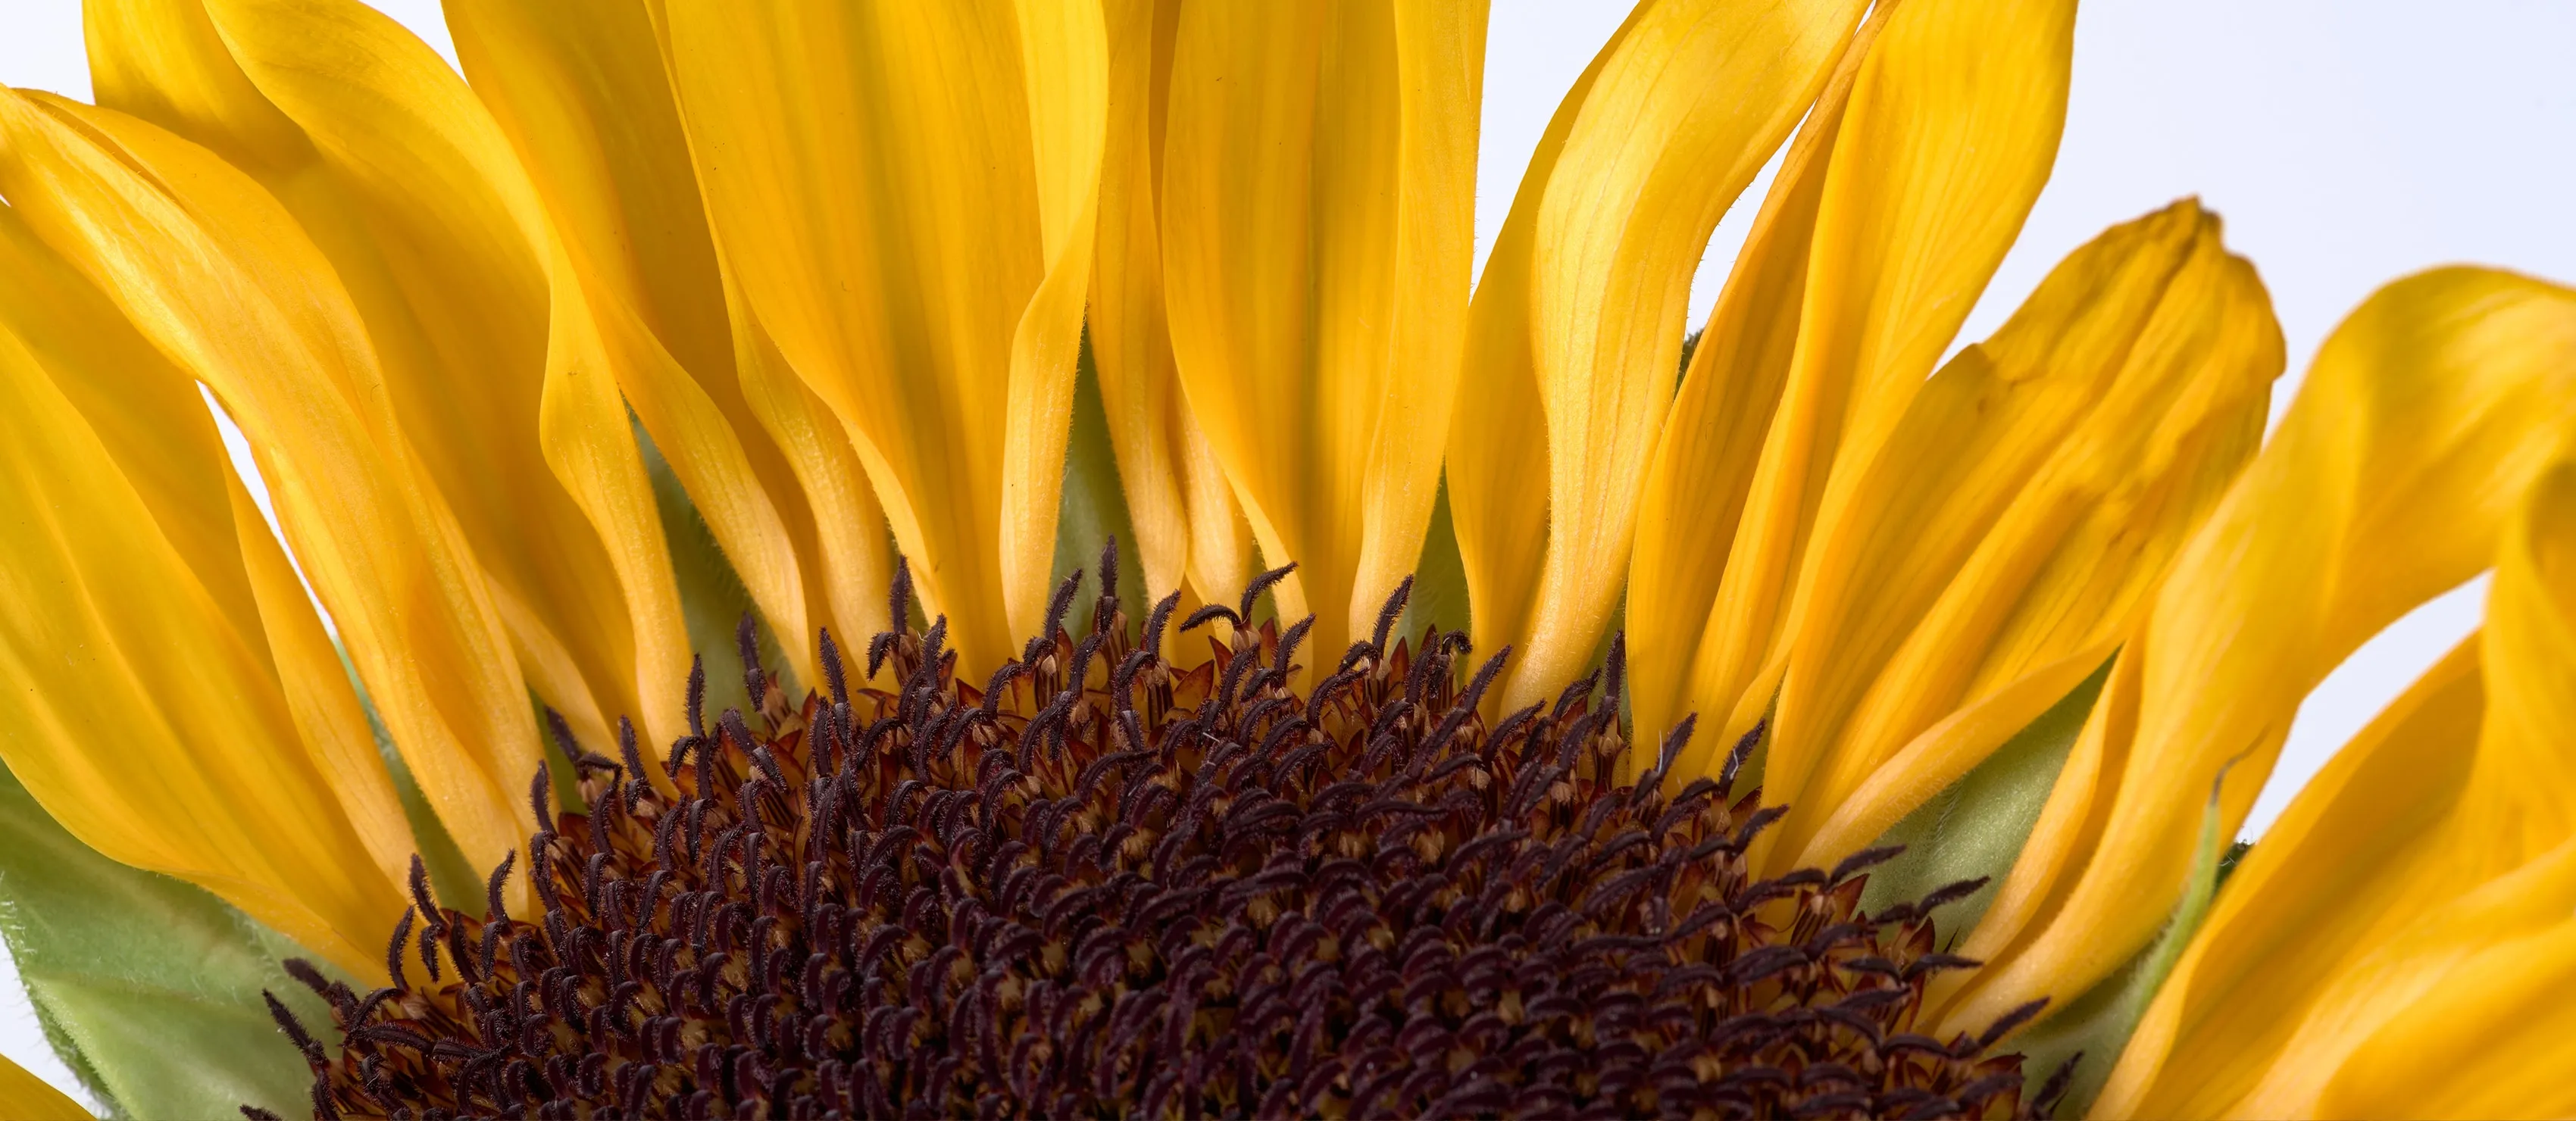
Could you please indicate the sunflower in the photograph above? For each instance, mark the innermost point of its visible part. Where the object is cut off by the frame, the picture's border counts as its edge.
(1499, 723)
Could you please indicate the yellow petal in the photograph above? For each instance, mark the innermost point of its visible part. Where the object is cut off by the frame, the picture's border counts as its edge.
(2018, 516)
(1695, 487)
(1400, 381)
(2494, 1039)
(584, 434)
(1498, 455)
(149, 417)
(855, 558)
(2455, 870)
(2371, 993)
(325, 708)
(2497, 875)
(220, 278)
(581, 96)
(401, 178)
(1188, 526)
(1951, 130)
(2272, 939)
(1940, 755)
(144, 409)
(1064, 69)
(417, 151)
(891, 205)
(1697, 96)
(1238, 223)
(23, 1095)
(1130, 350)
(2521, 797)
(2425, 416)
(143, 719)
(1317, 210)
(846, 582)
(1221, 548)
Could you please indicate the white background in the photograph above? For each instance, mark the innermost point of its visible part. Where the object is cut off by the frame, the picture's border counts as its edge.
(2347, 142)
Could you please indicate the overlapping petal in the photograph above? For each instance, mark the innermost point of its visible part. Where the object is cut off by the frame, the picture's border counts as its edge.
(180, 711)
(2414, 906)
(222, 280)
(1581, 308)
(499, 376)
(1950, 132)
(906, 197)
(2014, 523)
(2425, 418)
(1316, 211)
(1190, 530)
(581, 94)
(1697, 485)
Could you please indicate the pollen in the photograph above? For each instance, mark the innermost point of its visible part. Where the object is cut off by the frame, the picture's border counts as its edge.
(1113, 882)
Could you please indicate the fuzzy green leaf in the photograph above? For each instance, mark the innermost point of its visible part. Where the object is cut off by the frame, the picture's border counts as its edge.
(149, 986)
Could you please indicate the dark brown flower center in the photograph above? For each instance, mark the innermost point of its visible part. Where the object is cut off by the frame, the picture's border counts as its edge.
(1106, 884)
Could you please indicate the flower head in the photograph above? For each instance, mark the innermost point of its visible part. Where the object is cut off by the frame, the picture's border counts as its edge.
(669, 313)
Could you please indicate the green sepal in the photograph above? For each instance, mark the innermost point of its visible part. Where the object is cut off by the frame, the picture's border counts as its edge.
(713, 598)
(1092, 507)
(1977, 826)
(147, 986)
(1440, 579)
(2092, 1030)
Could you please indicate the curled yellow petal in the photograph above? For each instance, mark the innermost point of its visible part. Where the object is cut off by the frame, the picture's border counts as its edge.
(2496, 876)
(2494, 1039)
(144, 719)
(580, 92)
(1695, 488)
(2521, 797)
(1498, 454)
(2420, 891)
(1316, 213)
(2424, 418)
(2017, 518)
(399, 175)
(221, 279)
(1952, 127)
(1695, 98)
(913, 232)
(2272, 939)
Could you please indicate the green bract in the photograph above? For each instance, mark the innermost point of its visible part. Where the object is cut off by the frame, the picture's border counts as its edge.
(148, 987)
